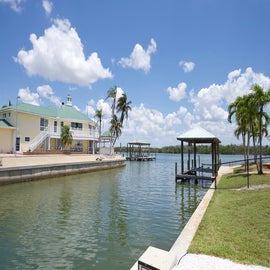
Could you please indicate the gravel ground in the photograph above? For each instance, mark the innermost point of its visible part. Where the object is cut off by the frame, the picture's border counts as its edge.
(204, 262)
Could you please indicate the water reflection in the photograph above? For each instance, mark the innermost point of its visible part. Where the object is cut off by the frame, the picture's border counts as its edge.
(189, 196)
(94, 221)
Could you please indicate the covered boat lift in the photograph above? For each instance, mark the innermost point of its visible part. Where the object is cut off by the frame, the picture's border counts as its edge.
(139, 151)
(193, 137)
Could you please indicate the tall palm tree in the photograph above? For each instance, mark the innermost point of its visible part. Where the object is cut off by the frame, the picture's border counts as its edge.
(112, 94)
(66, 136)
(261, 98)
(239, 109)
(115, 128)
(99, 115)
(123, 106)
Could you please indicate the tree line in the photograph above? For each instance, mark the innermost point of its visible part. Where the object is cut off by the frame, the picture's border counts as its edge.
(231, 149)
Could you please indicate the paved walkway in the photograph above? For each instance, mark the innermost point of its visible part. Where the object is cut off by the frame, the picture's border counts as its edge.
(204, 262)
(32, 160)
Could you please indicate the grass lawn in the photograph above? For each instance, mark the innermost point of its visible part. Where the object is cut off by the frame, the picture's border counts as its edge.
(237, 222)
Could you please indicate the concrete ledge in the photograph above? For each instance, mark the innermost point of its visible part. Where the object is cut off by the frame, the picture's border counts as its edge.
(10, 175)
(155, 258)
(182, 243)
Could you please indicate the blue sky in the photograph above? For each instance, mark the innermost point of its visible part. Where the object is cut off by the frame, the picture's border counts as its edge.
(180, 62)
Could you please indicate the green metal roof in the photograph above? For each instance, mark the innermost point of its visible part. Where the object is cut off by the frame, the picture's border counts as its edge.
(198, 135)
(69, 112)
(33, 109)
(106, 134)
(64, 112)
(5, 124)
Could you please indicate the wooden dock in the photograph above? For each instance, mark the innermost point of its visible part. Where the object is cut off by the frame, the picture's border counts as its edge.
(195, 174)
(188, 177)
(141, 158)
(139, 151)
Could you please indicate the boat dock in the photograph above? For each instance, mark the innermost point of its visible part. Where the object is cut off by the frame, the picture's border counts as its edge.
(141, 158)
(192, 138)
(200, 173)
(139, 151)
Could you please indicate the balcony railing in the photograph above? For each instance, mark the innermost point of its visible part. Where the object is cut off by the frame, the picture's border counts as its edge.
(77, 134)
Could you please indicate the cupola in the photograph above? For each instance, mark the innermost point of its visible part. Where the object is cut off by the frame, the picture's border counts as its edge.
(69, 100)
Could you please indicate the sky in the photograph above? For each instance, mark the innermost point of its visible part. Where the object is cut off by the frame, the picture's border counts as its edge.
(180, 62)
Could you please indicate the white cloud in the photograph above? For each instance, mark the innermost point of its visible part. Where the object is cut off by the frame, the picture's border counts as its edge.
(58, 55)
(187, 66)
(207, 108)
(152, 126)
(46, 91)
(27, 96)
(140, 58)
(14, 4)
(182, 110)
(211, 103)
(89, 109)
(47, 5)
(105, 107)
(177, 93)
(119, 93)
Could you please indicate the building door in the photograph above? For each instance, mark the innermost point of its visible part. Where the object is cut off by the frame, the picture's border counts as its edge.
(17, 144)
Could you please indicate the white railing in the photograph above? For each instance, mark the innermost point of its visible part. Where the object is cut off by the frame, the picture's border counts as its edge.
(77, 134)
(39, 139)
(56, 133)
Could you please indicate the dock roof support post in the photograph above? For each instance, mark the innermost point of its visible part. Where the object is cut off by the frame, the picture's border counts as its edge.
(195, 164)
(182, 157)
(189, 146)
(213, 158)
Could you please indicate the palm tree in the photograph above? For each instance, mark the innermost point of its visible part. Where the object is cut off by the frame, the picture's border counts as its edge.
(239, 109)
(261, 99)
(99, 115)
(66, 136)
(124, 107)
(121, 106)
(115, 128)
(112, 94)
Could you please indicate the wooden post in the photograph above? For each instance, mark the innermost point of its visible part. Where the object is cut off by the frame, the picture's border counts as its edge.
(189, 146)
(175, 168)
(195, 164)
(182, 157)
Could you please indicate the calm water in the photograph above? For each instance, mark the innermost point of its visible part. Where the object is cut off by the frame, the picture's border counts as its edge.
(100, 220)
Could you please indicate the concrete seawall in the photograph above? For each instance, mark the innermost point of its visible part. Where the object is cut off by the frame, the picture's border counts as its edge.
(20, 172)
(167, 260)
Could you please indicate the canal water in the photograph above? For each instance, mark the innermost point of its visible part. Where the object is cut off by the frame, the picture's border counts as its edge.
(100, 220)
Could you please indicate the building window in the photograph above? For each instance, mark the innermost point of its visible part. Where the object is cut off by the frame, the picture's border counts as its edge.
(79, 143)
(76, 126)
(55, 126)
(4, 115)
(27, 139)
(78, 147)
(43, 124)
(92, 129)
